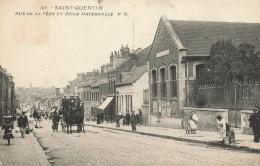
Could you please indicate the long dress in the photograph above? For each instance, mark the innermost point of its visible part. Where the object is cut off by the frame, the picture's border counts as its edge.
(193, 122)
(222, 129)
(8, 131)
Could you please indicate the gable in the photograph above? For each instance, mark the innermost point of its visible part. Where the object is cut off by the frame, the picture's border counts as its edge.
(165, 47)
(165, 30)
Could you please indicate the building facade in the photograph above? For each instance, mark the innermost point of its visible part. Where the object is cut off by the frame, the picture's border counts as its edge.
(7, 94)
(178, 53)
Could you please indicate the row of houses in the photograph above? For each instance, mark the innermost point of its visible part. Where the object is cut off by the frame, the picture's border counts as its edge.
(7, 94)
(157, 79)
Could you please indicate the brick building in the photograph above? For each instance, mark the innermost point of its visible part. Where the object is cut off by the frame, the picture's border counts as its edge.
(7, 94)
(179, 50)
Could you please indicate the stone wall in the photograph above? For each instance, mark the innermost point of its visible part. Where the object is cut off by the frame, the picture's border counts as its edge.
(167, 122)
(207, 117)
(245, 114)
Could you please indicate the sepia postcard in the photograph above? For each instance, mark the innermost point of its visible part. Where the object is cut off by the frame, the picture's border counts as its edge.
(129, 82)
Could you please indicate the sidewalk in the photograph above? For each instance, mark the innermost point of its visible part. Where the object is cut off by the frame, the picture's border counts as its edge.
(243, 142)
(22, 151)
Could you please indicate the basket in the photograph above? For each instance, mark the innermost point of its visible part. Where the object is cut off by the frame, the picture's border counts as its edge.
(226, 140)
(27, 131)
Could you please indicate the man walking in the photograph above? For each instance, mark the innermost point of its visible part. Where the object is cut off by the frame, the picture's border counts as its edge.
(127, 118)
(133, 121)
(23, 123)
(55, 121)
(255, 124)
(140, 116)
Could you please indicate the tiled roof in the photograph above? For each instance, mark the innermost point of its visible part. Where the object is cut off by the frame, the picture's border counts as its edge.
(141, 58)
(136, 73)
(99, 81)
(198, 36)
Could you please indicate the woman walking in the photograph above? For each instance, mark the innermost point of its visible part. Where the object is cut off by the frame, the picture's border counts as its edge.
(8, 125)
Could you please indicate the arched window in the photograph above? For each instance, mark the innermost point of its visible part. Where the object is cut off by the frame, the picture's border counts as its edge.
(154, 84)
(163, 82)
(173, 81)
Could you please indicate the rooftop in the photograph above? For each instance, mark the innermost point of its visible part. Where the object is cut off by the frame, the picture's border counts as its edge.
(198, 36)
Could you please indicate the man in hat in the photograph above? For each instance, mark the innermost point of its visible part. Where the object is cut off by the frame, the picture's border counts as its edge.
(255, 124)
(23, 123)
(78, 101)
(133, 121)
(55, 121)
(64, 101)
(72, 101)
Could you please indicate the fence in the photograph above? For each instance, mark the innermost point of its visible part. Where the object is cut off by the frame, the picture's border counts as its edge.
(235, 97)
(236, 94)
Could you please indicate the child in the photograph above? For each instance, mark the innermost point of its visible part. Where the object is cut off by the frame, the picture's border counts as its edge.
(8, 126)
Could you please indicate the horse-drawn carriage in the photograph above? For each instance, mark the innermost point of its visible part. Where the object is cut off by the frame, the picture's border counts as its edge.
(72, 114)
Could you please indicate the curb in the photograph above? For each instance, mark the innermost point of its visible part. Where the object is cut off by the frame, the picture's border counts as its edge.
(215, 144)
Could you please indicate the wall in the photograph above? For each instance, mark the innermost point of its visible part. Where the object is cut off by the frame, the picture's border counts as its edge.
(139, 86)
(163, 41)
(245, 114)
(124, 90)
(207, 117)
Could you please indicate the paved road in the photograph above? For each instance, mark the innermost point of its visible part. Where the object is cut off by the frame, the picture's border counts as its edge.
(106, 147)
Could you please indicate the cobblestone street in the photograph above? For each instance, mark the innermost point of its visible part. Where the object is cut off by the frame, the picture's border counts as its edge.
(106, 147)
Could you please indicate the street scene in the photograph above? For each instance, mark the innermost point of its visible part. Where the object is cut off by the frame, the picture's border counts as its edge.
(116, 83)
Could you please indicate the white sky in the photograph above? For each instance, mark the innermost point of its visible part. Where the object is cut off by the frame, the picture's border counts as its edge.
(51, 50)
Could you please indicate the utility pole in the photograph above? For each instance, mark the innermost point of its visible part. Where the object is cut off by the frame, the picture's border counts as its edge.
(133, 35)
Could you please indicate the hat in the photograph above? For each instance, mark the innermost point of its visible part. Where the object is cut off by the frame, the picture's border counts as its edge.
(219, 117)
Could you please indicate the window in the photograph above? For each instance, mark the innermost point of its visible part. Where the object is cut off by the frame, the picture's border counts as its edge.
(154, 84)
(173, 81)
(145, 96)
(163, 82)
(199, 70)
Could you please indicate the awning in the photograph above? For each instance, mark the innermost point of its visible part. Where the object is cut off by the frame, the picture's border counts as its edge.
(105, 103)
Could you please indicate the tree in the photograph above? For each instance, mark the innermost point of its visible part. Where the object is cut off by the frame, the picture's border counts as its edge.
(228, 62)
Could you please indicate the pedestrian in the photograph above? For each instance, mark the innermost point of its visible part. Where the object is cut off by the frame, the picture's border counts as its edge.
(23, 124)
(140, 116)
(133, 121)
(127, 117)
(255, 124)
(159, 115)
(101, 117)
(117, 121)
(98, 118)
(221, 128)
(8, 125)
(193, 122)
(55, 121)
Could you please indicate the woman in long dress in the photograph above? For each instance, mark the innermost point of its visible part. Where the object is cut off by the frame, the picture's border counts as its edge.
(221, 127)
(8, 126)
(193, 122)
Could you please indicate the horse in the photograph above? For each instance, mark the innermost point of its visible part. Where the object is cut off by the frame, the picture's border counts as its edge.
(74, 115)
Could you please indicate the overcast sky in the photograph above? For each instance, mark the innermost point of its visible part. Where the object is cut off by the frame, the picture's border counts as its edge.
(51, 50)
